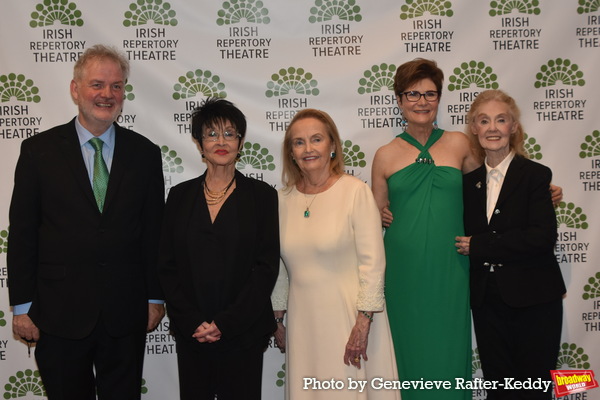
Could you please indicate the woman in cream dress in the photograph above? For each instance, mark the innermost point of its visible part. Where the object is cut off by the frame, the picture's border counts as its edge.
(338, 343)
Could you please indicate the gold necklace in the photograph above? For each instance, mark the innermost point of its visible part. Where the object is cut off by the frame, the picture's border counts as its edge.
(307, 211)
(213, 198)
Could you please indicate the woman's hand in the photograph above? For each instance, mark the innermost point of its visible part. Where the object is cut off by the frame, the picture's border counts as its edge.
(207, 333)
(556, 193)
(463, 243)
(356, 348)
(386, 217)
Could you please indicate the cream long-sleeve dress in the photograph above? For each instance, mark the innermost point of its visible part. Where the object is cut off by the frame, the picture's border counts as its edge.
(335, 266)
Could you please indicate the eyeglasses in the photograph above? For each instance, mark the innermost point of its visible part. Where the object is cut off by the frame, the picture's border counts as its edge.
(414, 96)
(228, 135)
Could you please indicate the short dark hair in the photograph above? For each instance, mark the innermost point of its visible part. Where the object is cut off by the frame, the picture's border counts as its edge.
(216, 111)
(415, 71)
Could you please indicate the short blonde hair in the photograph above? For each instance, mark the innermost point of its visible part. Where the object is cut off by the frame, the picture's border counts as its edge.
(101, 52)
(292, 174)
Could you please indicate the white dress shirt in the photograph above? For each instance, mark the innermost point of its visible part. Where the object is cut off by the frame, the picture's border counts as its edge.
(495, 179)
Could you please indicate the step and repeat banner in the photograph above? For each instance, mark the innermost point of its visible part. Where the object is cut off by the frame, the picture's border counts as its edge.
(275, 57)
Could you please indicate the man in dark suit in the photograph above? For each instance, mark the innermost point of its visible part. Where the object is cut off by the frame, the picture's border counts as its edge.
(84, 225)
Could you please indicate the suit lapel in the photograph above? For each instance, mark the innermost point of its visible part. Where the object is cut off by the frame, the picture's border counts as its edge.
(122, 157)
(511, 180)
(71, 150)
(479, 191)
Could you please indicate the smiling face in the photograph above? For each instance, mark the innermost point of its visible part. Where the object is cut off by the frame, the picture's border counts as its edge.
(493, 126)
(220, 152)
(99, 94)
(311, 145)
(421, 112)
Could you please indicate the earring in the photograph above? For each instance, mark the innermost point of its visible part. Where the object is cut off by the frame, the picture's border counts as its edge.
(202, 154)
(333, 155)
(239, 155)
(403, 121)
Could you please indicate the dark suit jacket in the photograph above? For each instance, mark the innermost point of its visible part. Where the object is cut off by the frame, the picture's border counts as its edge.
(224, 271)
(73, 263)
(519, 240)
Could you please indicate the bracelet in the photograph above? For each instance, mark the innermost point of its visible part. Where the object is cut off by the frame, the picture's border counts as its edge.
(366, 314)
(279, 320)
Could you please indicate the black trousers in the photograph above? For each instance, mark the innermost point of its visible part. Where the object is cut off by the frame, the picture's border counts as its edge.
(67, 366)
(520, 343)
(230, 374)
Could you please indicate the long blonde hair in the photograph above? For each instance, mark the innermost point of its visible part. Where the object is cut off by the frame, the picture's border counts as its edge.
(291, 173)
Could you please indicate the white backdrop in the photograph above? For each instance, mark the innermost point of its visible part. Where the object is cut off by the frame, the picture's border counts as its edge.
(274, 57)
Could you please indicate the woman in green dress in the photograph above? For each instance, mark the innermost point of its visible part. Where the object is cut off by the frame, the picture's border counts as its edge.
(418, 178)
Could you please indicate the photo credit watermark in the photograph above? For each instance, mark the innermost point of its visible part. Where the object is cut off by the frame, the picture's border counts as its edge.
(572, 381)
(422, 384)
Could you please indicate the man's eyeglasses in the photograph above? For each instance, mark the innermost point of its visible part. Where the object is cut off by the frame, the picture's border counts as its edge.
(228, 135)
(414, 96)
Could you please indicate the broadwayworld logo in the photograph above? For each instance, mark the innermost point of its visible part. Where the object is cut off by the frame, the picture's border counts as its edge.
(326, 10)
(18, 87)
(379, 77)
(572, 381)
(142, 12)
(503, 7)
(473, 73)
(237, 11)
(419, 8)
(199, 82)
(50, 11)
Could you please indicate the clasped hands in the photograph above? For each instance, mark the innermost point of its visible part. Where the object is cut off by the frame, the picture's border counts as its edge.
(207, 333)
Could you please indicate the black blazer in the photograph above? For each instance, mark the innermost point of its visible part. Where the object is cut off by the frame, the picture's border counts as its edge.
(224, 271)
(73, 263)
(519, 240)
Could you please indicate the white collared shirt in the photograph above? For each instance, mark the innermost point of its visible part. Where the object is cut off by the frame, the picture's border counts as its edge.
(494, 180)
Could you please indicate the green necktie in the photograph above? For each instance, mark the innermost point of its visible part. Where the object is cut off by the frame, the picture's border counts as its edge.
(100, 180)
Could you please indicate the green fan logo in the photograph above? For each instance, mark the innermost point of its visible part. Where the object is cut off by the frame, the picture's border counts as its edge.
(532, 148)
(145, 11)
(326, 10)
(559, 70)
(50, 11)
(129, 92)
(18, 87)
(236, 11)
(353, 157)
(588, 6)
(24, 383)
(419, 8)
(281, 376)
(571, 356)
(2, 320)
(254, 156)
(4, 241)
(503, 7)
(379, 77)
(570, 216)
(592, 289)
(171, 163)
(472, 73)
(290, 80)
(199, 82)
(591, 146)
(475, 361)
(144, 389)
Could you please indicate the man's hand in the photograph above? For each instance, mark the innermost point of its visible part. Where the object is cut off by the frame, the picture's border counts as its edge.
(24, 328)
(156, 312)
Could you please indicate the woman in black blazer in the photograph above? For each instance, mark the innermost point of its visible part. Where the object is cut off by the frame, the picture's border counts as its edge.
(510, 223)
(218, 263)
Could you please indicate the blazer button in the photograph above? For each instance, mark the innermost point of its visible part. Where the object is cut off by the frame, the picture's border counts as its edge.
(496, 211)
(486, 264)
(500, 265)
